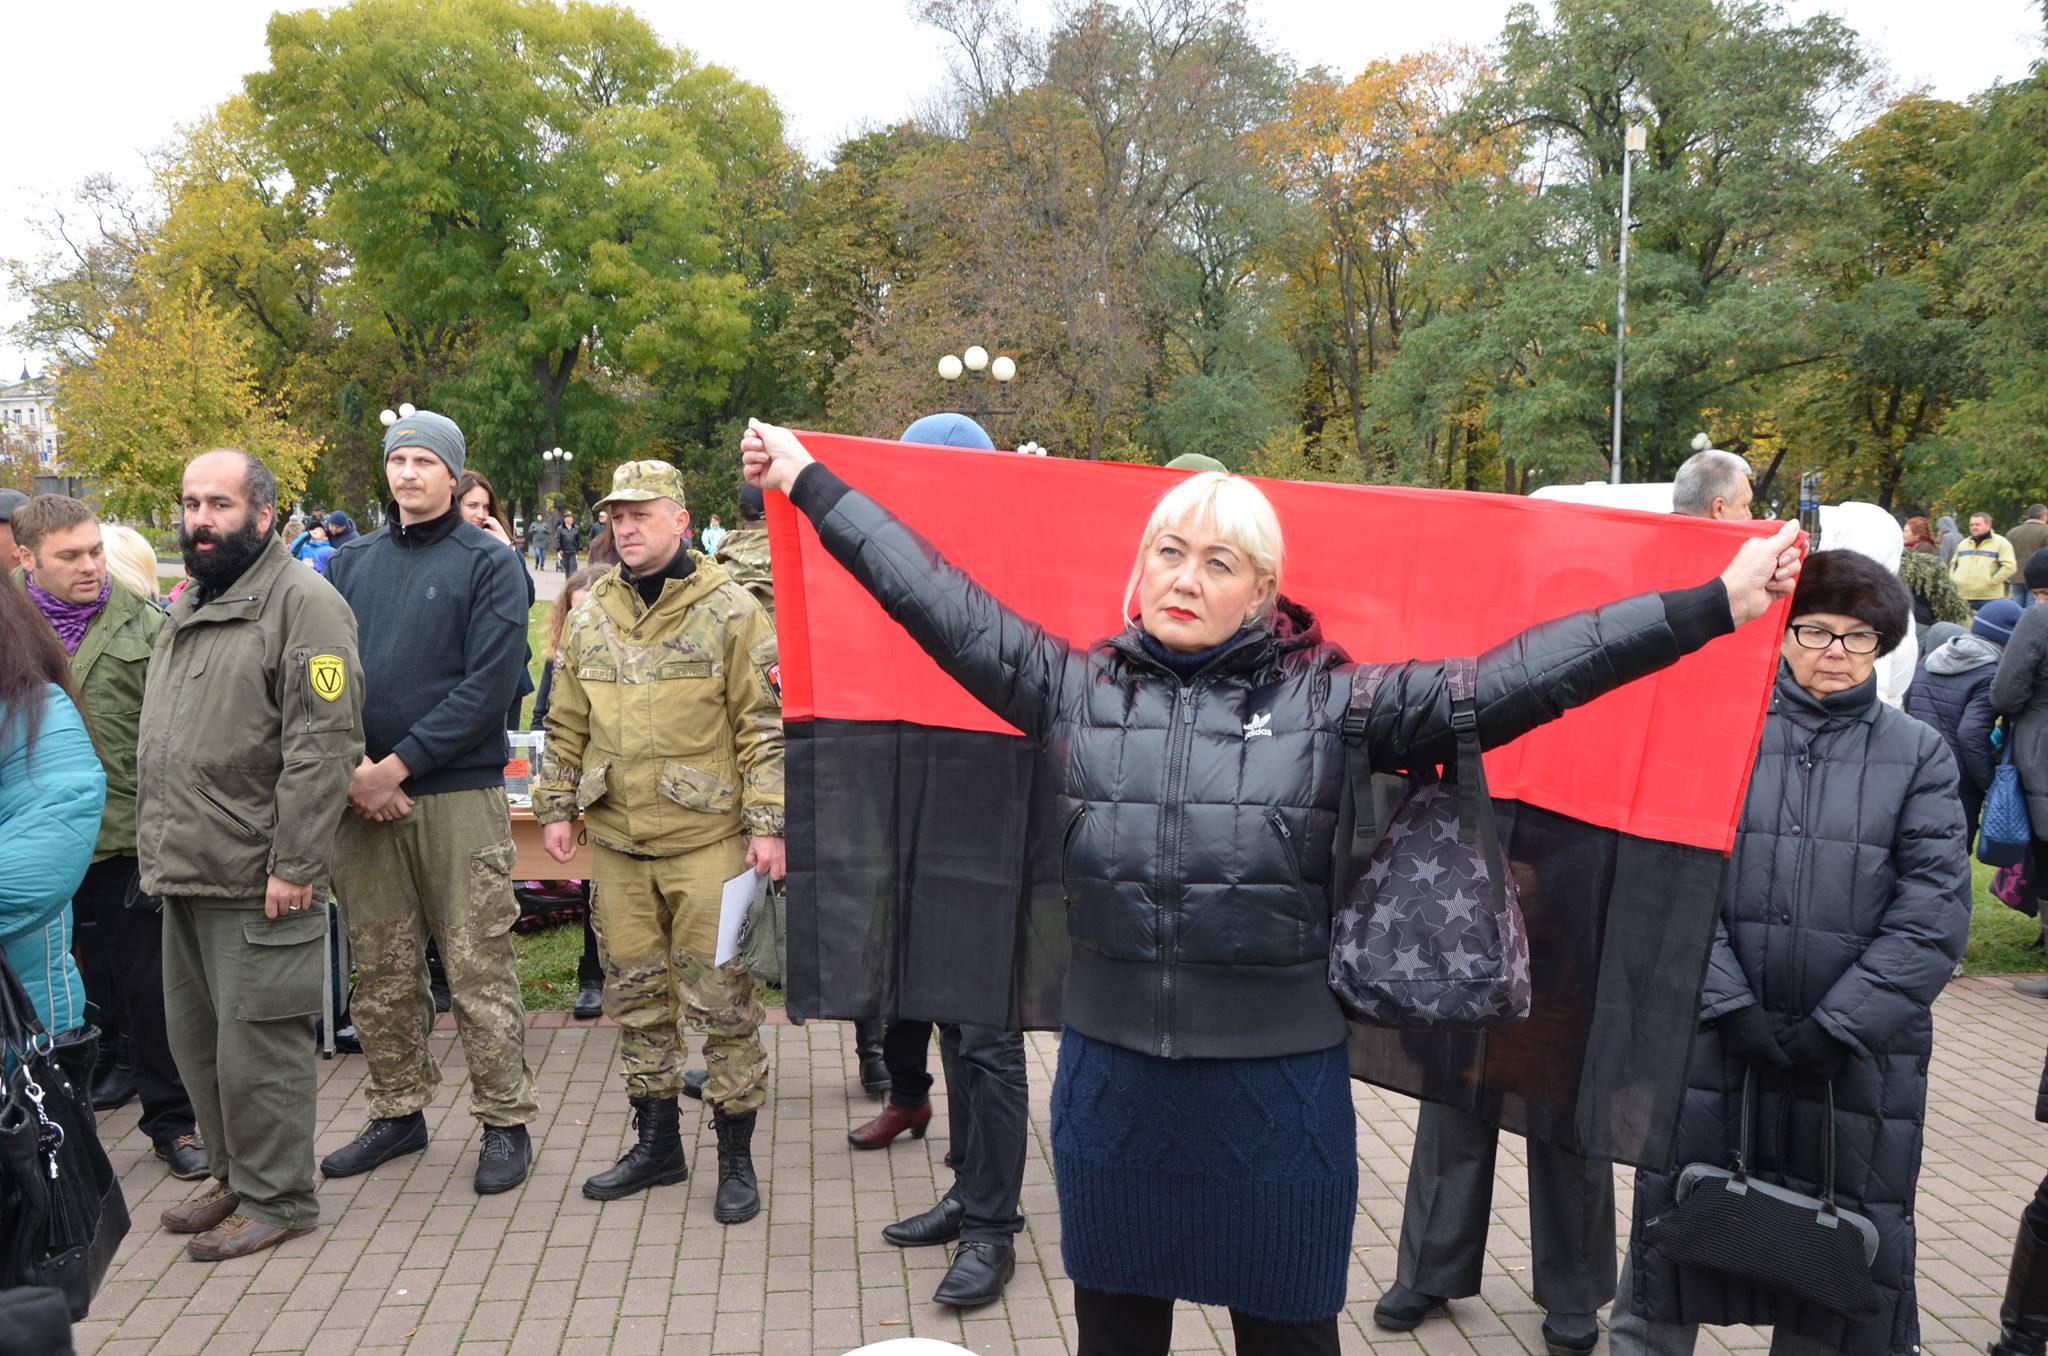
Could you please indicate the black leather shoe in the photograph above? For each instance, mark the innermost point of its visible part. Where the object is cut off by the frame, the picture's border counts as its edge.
(656, 1158)
(940, 1224)
(693, 1083)
(980, 1270)
(739, 1191)
(185, 1157)
(1570, 1334)
(346, 1042)
(113, 1089)
(504, 1160)
(381, 1141)
(444, 1001)
(1402, 1309)
(589, 1003)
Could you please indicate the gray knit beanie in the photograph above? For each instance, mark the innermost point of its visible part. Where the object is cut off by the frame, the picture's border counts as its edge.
(435, 432)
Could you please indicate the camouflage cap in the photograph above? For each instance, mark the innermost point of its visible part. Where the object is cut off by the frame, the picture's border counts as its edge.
(642, 480)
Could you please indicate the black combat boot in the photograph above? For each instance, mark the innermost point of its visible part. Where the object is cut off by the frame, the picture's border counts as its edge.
(739, 1192)
(2023, 1318)
(867, 1048)
(657, 1160)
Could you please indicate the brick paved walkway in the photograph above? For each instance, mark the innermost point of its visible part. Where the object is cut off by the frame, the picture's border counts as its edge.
(409, 1259)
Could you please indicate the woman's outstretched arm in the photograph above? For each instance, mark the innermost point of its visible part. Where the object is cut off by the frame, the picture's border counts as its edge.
(1005, 661)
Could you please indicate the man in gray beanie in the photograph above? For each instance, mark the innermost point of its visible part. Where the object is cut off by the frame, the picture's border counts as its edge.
(441, 619)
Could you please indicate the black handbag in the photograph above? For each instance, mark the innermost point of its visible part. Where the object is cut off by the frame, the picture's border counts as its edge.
(62, 1214)
(1430, 935)
(1769, 1236)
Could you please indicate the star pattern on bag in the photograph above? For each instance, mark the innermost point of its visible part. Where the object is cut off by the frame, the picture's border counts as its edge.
(1421, 941)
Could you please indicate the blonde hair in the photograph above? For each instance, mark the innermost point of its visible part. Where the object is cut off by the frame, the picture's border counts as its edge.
(130, 558)
(1231, 507)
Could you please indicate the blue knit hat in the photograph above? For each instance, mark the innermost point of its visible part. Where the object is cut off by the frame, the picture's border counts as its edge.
(949, 430)
(1995, 621)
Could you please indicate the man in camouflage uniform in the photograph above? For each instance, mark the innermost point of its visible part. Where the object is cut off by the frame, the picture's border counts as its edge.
(427, 848)
(665, 734)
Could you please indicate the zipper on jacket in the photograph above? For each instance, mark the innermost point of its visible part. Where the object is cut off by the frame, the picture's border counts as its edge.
(244, 825)
(1066, 853)
(1169, 860)
(1279, 823)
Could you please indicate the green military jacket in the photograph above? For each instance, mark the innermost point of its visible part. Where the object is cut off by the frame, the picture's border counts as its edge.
(665, 724)
(110, 671)
(252, 725)
(744, 553)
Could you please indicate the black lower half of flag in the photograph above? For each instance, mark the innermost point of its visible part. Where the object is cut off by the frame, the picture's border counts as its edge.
(924, 883)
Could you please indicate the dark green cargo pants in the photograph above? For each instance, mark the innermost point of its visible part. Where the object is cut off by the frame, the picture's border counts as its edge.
(241, 995)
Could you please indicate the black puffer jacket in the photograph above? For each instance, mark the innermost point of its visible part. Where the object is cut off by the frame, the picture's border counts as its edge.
(1198, 816)
(1848, 898)
(1952, 692)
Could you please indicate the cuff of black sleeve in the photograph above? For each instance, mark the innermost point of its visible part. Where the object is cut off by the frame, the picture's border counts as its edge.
(817, 491)
(1699, 614)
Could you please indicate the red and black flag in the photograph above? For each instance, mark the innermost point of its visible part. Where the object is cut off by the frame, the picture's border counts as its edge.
(924, 884)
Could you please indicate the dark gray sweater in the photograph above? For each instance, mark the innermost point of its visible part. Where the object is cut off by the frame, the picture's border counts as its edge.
(441, 625)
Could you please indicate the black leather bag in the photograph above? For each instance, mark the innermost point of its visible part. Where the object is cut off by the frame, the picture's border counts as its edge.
(62, 1214)
(1430, 935)
(1769, 1236)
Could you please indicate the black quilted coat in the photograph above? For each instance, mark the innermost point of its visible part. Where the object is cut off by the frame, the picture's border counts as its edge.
(1848, 898)
(1198, 816)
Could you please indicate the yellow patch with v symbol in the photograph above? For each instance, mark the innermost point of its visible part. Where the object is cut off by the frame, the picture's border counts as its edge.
(329, 675)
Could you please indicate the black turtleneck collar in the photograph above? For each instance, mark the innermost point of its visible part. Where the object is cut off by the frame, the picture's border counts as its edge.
(649, 586)
(1185, 666)
(421, 534)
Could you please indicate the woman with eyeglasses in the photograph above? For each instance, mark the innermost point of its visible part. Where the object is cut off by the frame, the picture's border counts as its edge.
(1844, 910)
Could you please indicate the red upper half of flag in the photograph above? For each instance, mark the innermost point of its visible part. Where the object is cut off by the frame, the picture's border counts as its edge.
(1392, 573)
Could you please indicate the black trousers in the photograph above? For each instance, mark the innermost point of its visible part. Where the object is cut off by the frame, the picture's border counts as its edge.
(1450, 1199)
(985, 1085)
(906, 1050)
(120, 955)
(1137, 1325)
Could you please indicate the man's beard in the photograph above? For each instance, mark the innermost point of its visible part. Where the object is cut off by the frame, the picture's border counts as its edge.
(231, 555)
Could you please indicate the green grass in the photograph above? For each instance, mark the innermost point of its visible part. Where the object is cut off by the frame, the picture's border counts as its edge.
(2000, 937)
(547, 967)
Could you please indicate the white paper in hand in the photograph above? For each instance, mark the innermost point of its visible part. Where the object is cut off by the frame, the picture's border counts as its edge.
(733, 902)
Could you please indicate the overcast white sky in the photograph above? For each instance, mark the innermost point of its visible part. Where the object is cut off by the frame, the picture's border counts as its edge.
(92, 84)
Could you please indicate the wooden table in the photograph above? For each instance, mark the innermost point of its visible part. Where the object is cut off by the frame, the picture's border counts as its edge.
(533, 862)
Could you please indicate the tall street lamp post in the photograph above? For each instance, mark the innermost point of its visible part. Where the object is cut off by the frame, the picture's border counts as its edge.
(1638, 139)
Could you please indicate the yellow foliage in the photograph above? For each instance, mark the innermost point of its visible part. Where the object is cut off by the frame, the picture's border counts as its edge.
(167, 386)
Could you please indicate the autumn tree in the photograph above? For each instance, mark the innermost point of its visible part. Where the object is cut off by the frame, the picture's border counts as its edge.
(1366, 160)
(166, 385)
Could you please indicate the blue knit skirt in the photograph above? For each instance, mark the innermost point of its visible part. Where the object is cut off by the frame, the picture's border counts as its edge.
(1223, 1181)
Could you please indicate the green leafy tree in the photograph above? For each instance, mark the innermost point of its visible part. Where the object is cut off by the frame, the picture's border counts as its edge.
(1738, 106)
(2000, 266)
(527, 197)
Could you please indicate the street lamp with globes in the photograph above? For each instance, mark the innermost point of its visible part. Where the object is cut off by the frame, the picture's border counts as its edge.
(975, 361)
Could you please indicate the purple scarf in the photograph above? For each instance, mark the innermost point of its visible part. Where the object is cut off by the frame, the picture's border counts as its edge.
(69, 620)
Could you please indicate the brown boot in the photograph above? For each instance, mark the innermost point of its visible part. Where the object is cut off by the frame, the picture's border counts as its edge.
(893, 1121)
(238, 1236)
(204, 1211)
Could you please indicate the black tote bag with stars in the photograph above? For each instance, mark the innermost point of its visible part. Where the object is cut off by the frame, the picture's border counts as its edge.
(1430, 935)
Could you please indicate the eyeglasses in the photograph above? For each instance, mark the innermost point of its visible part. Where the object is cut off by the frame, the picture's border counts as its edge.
(1819, 638)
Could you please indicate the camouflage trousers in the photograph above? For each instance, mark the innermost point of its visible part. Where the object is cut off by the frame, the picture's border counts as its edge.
(656, 920)
(446, 870)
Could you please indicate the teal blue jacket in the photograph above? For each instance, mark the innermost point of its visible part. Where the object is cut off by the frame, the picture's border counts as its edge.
(51, 796)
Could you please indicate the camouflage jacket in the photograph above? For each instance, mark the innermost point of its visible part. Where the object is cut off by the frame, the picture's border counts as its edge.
(744, 553)
(665, 724)
(1928, 582)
